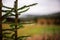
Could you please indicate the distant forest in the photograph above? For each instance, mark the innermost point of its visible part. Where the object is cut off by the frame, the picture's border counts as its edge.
(55, 16)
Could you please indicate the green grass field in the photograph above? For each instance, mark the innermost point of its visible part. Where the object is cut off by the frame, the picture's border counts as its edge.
(30, 29)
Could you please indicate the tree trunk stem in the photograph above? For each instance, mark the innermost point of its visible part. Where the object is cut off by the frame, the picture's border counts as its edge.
(16, 19)
(0, 20)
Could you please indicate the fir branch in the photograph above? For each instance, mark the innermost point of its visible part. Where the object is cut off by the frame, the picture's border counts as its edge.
(25, 6)
(4, 16)
(7, 29)
(23, 11)
(6, 7)
(5, 10)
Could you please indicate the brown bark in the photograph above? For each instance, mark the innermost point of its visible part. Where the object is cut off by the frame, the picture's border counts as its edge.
(0, 20)
(16, 19)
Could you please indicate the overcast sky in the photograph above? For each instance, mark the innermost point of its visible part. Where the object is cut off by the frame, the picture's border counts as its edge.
(43, 7)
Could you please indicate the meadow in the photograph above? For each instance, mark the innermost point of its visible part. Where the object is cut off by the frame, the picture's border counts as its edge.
(30, 29)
